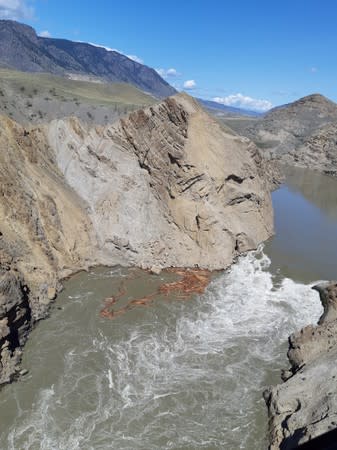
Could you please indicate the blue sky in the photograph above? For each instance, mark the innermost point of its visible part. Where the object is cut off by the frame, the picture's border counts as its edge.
(246, 53)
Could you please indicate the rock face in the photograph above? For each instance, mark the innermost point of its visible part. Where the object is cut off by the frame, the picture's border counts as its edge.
(319, 151)
(304, 406)
(303, 133)
(22, 49)
(165, 186)
(38, 241)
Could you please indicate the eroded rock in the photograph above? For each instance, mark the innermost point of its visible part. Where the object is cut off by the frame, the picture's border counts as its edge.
(168, 186)
(305, 406)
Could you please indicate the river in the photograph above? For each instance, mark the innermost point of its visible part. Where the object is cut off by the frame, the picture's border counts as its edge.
(176, 374)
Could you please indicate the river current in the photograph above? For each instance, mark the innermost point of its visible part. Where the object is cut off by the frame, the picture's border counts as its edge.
(178, 374)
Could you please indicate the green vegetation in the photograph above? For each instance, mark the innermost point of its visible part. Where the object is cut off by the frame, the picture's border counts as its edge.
(83, 91)
(36, 97)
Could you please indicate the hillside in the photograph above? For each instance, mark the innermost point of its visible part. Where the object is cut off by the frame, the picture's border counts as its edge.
(221, 110)
(302, 133)
(22, 49)
(38, 98)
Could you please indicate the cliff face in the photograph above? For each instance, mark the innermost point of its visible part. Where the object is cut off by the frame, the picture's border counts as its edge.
(38, 241)
(166, 186)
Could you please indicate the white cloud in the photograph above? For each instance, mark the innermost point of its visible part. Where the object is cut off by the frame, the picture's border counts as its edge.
(15, 10)
(190, 84)
(168, 73)
(109, 49)
(243, 101)
(45, 33)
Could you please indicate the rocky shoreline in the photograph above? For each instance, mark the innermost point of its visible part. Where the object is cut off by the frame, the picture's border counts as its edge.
(305, 405)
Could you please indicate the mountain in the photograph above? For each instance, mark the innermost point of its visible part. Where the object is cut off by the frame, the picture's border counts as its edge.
(302, 133)
(22, 49)
(219, 109)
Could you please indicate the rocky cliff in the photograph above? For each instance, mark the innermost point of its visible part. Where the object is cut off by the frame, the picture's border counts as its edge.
(165, 186)
(304, 407)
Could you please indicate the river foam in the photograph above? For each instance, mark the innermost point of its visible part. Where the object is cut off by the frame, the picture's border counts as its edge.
(181, 375)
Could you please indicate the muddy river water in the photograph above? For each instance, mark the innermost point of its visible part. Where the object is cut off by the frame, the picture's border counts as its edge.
(176, 374)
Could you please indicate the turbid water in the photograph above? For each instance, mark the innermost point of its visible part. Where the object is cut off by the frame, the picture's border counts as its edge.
(178, 374)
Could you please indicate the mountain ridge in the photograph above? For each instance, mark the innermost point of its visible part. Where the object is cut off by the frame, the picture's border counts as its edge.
(22, 49)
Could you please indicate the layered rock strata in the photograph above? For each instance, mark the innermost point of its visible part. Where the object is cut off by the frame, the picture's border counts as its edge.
(166, 186)
(305, 406)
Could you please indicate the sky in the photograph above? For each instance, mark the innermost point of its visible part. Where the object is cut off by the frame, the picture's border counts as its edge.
(244, 53)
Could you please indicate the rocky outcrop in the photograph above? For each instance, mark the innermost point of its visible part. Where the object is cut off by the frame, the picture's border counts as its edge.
(318, 151)
(168, 186)
(302, 133)
(304, 407)
(165, 186)
(15, 323)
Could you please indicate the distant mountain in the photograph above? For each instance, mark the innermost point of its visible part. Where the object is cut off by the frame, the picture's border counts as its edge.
(302, 133)
(22, 49)
(286, 127)
(217, 108)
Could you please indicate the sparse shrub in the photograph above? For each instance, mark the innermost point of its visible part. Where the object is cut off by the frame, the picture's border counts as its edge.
(29, 104)
(22, 89)
(90, 115)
